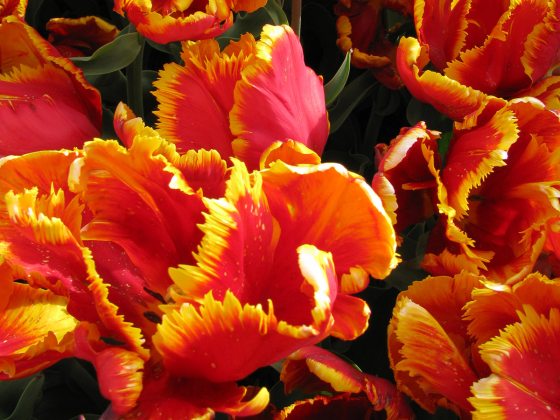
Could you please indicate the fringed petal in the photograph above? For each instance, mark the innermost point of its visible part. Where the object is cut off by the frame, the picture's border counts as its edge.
(290, 152)
(495, 305)
(473, 154)
(35, 331)
(428, 347)
(404, 166)
(43, 92)
(191, 340)
(441, 25)
(13, 7)
(524, 359)
(126, 189)
(238, 246)
(81, 36)
(204, 85)
(445, 94)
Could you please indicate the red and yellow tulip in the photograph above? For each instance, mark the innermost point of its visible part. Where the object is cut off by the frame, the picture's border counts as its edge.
(166, 21)
(485, 52)
(43, 92)
(440, 325)
(106, 230)
(80, 37)
(252, 94)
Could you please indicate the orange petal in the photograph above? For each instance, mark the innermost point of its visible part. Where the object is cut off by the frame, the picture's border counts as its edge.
(505, 64)
(546, 90)
(191, 339)
(473, 154)
(428, 346)
(168, 21)
(238, 247)
(316, 196)
(41, 245)
(524, 359)
(35, 331)
(306, 368)
(495, 305)
(322, 364)
(167, 397)
(118, 371)
(204, 85)
(441, 25)
(351, 316)
(444, 93)
(343, 407)
(126, 189)
(278, 98)
(43, 92)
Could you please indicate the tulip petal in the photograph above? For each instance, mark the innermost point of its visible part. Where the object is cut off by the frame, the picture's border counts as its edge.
(474, 154)
(505, 63)
(525, 359)
(290, 152)
(43, 92)
(158, 229)
(35, 331)
(342, 407)
(362, 236)
(441, 25)
(428, 346)
(496, 305)
(13, 7)
(165, 397)
(167, 21)
(204, 85)
(404, 165)
(324, 365)
(444, 93)
(238, 246)
(80, 37)
(278, 98)
(191, 340)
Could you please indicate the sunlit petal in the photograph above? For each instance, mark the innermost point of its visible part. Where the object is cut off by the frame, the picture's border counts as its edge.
(266, 109)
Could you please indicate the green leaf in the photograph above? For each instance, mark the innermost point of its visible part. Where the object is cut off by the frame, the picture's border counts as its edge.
(443, 146)
(350, 97)
(419, 111)
(253, 22)
(111, 57)
(335, 86)
(28, 399)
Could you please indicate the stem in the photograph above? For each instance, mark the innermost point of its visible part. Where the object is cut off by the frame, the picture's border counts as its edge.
(295, 21)
(134, 92)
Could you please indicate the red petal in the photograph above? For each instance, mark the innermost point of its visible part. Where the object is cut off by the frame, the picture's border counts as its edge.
(441, 25)
(129, 189)
(191, 340)
(525, 357)
(43, 92)
(204, 85)
(278, 98)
